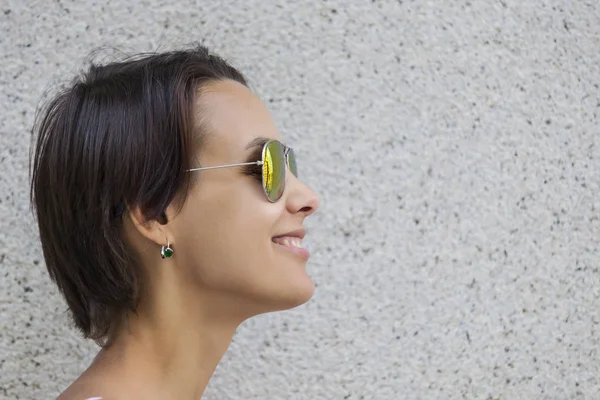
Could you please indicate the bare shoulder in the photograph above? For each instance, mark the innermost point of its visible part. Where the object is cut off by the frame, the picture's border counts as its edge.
(84, 398)
(85, 388)
(71, 394)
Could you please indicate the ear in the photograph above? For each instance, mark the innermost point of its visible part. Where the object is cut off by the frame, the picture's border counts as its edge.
(156, 231)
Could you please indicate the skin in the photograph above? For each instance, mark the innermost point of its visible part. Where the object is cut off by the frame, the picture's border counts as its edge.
(225, 268)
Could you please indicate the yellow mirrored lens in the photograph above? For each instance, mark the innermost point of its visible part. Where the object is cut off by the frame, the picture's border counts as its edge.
(268, 172)
(274, 170)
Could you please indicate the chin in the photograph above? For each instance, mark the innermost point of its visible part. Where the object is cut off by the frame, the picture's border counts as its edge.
(294, 287)
(290, 296)
(299, 296)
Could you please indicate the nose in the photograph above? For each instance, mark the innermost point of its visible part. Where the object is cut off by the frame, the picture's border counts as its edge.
(301, 198)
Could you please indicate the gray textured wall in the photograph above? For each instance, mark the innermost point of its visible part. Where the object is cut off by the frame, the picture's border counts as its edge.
(455, 148)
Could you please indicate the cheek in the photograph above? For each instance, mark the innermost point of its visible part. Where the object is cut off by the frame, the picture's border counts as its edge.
(226, 242)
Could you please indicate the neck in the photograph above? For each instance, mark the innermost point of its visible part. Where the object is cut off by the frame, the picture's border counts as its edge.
(169, 349)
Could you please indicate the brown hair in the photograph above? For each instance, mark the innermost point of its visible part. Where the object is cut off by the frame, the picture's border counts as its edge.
(122, 134)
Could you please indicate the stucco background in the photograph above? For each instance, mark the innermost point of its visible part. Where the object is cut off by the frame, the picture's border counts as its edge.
(455, 148)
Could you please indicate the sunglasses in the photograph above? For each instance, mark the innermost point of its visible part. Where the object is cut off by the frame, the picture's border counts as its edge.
(275, 157)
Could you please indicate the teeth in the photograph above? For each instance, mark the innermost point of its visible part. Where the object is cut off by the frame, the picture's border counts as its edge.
(289, 241)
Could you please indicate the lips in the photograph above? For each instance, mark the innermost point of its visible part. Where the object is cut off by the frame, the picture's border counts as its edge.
(298, 233)
(292, 242)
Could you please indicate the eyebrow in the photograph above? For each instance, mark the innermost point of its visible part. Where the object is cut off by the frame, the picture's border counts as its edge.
(257, 142)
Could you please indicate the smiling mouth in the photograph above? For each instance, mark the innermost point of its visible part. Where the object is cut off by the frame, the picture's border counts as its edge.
(293, 245)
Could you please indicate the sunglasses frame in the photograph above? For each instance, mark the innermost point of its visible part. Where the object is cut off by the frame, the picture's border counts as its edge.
(286, 151)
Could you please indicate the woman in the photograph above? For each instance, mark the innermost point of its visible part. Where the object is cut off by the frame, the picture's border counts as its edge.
(169, 212)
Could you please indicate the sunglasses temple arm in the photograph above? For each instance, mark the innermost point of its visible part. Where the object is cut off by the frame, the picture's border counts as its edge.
(226, 166)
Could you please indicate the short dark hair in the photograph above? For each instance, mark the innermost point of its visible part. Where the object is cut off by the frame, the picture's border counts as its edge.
(123, 133)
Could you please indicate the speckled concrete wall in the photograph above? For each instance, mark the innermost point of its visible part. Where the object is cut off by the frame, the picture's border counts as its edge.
(455, 148)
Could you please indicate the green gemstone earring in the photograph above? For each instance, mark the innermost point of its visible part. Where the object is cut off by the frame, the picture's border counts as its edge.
(168, 252)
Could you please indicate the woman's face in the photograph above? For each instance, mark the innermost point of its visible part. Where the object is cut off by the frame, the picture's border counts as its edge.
(223, 236)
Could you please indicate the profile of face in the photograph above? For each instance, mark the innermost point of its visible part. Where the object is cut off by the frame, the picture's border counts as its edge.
(223, 234)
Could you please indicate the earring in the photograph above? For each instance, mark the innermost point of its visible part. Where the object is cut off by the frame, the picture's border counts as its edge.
(168, 252)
